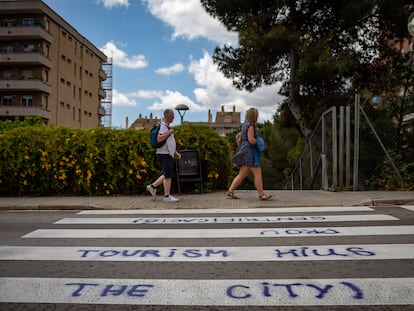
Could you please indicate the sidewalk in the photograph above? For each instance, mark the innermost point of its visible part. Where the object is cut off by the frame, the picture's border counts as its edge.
(215, 200)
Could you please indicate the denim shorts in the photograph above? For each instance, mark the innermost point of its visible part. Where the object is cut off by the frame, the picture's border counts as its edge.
(167, 165)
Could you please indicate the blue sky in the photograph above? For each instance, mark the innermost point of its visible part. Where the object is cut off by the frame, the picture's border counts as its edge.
(161, 51)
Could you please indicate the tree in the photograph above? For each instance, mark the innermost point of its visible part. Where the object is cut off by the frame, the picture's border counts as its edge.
(316, 47)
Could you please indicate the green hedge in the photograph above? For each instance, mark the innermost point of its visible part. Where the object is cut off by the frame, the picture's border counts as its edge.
(62, 161)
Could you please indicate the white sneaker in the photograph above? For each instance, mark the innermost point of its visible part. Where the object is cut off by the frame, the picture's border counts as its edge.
(170, 199)
(152, 190)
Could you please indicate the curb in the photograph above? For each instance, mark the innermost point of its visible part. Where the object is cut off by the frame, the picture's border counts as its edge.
(380, 202)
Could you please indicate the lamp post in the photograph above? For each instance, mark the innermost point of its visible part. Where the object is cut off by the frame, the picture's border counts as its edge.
(181, 111)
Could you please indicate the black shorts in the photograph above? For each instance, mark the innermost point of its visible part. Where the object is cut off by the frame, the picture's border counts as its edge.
(167, 165)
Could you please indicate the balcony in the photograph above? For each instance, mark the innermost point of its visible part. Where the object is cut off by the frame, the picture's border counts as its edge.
(25, 32)
(25, 85)
(101, 93)
(10, 111)
(101, 111)
(102, 75)
(25, 59)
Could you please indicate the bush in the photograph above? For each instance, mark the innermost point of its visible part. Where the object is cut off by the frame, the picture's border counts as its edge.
(63, 161)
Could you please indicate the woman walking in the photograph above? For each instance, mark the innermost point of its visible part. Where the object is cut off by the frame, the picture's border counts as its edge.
(248, 156)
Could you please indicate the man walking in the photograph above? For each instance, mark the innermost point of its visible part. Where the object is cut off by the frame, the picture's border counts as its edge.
(165, 156)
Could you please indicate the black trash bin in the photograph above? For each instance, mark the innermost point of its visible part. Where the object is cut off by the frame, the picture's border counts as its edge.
(188, 168)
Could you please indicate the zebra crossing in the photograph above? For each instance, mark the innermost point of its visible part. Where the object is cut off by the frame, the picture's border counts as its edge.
(278, 238)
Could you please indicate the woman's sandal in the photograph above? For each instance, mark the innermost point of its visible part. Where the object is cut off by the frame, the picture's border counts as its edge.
(231, 195)
(265, 196)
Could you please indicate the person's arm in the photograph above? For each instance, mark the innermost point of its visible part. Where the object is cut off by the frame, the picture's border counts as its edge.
(164, 136)
(250, 135)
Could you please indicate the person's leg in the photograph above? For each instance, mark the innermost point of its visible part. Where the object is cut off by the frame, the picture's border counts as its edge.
(167, 186)
(168, 171)
(152, 188)
(159, 181)
(243, 173)
(257, 178)
(258, 182)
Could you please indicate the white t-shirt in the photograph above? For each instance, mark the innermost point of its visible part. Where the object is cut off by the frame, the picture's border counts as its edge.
(170, 145)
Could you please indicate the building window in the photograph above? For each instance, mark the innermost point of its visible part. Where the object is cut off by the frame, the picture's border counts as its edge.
(27, 74)
(45, 102)
(7, 75)
(46, 51)
(26, 101)
(11, 22)
(47, 25)
(7, 48)
(30, 21)
(28, 47)
(6, 100)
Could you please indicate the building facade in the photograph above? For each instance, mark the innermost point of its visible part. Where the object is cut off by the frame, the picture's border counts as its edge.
(225, 122)
(47, 68)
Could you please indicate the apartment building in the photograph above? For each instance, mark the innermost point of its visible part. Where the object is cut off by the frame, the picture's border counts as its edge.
(47, 68)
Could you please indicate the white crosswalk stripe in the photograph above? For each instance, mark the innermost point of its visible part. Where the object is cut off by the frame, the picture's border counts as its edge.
(200, 238)
(250, 253)
(232, 211)
(222, 233)
(222, 220)
(235, 292)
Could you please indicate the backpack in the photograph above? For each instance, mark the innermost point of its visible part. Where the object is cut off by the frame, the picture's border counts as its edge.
(153, 136)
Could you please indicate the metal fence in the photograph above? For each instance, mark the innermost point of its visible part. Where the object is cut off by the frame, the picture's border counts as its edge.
(331, 158)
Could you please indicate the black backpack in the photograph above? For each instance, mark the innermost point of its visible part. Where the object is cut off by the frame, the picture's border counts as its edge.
(153, 136)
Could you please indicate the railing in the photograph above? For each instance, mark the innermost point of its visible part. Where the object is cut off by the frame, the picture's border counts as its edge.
(332, 141)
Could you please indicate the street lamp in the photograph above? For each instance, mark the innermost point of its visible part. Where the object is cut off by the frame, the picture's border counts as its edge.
(181, 110)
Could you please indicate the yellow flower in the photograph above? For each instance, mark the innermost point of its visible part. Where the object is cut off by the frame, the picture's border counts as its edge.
(130, 171)
(63, 176)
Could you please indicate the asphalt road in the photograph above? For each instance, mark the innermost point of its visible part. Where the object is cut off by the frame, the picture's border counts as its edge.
(266, 259)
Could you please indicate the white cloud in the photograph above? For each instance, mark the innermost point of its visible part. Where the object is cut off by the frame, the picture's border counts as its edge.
(189, 20)
(119, 99)
(213, 91)
(164, 99)
(109, 4)
(170, 70)
(216, 90)
(121, 59)
(145, 94)
(170, 99)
